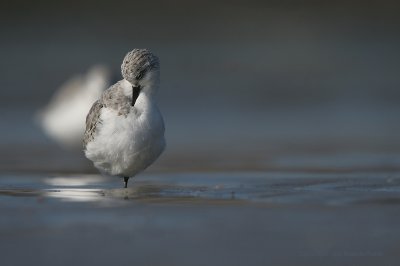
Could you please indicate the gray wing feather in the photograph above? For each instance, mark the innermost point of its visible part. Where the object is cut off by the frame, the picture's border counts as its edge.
(92, 119)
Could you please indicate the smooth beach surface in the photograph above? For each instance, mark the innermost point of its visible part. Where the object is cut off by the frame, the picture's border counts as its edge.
(214, 218)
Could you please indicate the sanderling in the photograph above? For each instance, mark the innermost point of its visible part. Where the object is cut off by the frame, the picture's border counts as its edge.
(124, 128)
(63, 118)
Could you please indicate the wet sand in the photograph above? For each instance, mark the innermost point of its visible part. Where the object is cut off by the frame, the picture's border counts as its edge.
(238, 218)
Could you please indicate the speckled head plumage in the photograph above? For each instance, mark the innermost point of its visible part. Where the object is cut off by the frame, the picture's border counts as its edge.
(137, 63)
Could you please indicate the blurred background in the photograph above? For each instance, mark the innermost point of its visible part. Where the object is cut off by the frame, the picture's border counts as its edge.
(246, 85)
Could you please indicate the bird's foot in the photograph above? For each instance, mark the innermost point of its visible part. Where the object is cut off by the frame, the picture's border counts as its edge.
(126, 181)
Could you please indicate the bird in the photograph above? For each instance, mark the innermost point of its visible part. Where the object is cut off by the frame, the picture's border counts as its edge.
(63, 118)
(124, 127)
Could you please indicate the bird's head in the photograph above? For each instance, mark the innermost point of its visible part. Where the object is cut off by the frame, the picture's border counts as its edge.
(141, 69)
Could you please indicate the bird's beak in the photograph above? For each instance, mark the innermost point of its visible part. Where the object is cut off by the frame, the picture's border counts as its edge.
(135, 93)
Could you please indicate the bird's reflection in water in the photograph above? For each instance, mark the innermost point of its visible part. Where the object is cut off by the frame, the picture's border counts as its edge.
(138, 192)
(102, 190)
(78, 195)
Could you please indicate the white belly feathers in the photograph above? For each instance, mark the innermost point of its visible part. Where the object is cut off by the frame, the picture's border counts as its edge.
(126, 145)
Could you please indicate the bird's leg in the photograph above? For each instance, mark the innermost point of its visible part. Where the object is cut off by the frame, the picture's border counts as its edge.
(126, 181)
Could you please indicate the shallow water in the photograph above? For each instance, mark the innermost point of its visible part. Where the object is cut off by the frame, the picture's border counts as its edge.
(210, 218)
(235, 188)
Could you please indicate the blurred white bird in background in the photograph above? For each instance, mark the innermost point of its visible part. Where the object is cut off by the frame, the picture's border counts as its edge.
(63, 118)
